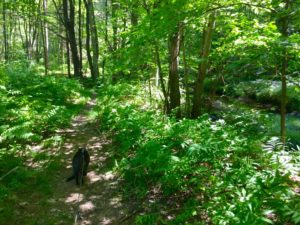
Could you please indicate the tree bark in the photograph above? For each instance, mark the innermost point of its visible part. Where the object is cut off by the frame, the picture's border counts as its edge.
(37, 47)
(46, 38)
(115, 41)
(114, 7)
(106, 22)
(123, 41)
(69, 22)
(186, 76)
(105, 38)
(161, 79)
(4, 31)
(88, 37)
(95, 43)
(174, 94)
(80, 32)
(68, 57)
(134, 17)
(284, 32)
(283, 97)
(92, 38)
(205, 50)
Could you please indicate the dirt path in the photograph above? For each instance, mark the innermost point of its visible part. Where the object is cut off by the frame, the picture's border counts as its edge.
(100, 200)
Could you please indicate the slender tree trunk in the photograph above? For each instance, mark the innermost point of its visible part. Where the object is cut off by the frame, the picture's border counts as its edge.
(37, 46)
(134, 17)
(31, 34)
(68, 49)
(69, 20)
(161, 79)
(105, 39)
(80, 32)
(21, 33)
(11, 37)
(60, 58)
(46, 38)
(34, 37)
(174, 47)
(115, 44)
(114, 7)
(284, 32)
(198, 89)
(63, 40)
(123, 41)
(88, 37)
(26, 34)
(283, 97)
(68, 57)
(186, 76)
(5, 31)
(94, 38)
(106, 22)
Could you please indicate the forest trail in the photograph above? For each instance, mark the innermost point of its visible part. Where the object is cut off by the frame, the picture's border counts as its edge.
(100, 200)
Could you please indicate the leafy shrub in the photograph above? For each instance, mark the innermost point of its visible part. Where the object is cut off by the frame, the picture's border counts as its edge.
(218, 166)
(32, 107)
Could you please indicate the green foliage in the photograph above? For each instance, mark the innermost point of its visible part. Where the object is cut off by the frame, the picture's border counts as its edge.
(32, 108)
(218, 166)
(265, 91)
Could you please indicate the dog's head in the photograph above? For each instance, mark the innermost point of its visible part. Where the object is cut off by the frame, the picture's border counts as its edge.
(82, 149)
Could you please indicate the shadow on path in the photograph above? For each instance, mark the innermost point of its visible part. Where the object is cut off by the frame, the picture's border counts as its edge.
(100, 199)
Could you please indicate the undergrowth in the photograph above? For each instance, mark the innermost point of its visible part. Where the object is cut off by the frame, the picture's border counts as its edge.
(32, 108)
(196, 171)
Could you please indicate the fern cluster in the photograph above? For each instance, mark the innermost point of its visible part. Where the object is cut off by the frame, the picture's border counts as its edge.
(216, 171)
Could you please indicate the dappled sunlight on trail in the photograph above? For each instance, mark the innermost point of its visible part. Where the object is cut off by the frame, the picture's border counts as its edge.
(99, 200)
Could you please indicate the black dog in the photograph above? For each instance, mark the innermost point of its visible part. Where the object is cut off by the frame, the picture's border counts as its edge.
(80, 165)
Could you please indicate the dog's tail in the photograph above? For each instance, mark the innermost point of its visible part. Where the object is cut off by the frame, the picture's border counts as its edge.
(70, 178)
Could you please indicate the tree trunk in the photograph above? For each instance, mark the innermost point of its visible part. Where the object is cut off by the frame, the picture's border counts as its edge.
(37, 47)
(95, 44)
(80, 32)
(11, 39)
(4, 32)
(92, 37)
(206, 44)
(61, 58)
(134, 17)
(186, 77)
(106, 22)
(105, 39)
(114, 7)
(174, 47)
(34, 36)
(68, 57)
(284, 32)
(88, 37)
(115, 45)
(283, 97)
(123, 42)
(161, 79)
(46, 38)
(69, 21)
(21, 33)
